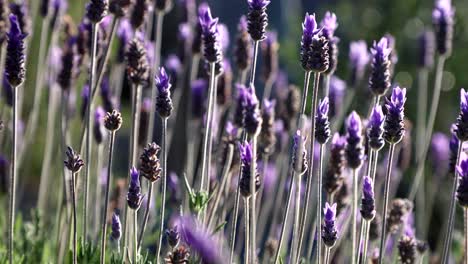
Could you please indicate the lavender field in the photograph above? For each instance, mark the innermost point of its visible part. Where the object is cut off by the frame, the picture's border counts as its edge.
(246, 131)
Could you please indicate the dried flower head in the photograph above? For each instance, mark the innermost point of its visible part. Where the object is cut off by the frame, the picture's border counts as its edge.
(407, 249)
(397, 215)
(96, 10)
(134, 196)
(334, 173)
(113, 120)
(149, 162)
(257, 19)
(73, 161)
(394, 126)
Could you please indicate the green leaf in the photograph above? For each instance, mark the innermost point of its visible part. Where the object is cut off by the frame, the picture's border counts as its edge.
(219, 227)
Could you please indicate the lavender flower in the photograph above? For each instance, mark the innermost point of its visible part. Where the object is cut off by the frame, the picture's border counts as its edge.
(329, 25)
(462, 190)
(358, 57)
(240, 105)
(113, 120)
(116, 233)
(322, 125)
(461, 129)
(20, 10)
(198, 97)
(139, 13)
(379, 80)
(184, 36)
(246, 158)
(163, 100)
(137, 62)
(96, 10)
(267, 138)
(407, 249)
(243, 47)
(426, 49)
(453, 145)
(334, 174)
(354, 148)
(394, 127)
(173, 236)
(329, 231)
(230, 139)
(124, 34)
(212, 50)
(375, 129)
(257, 19)
(98, 128)
(73, 161)
(163, 6)
(336, 95)
(368, 200)
(144, 122)
(14, 64)
(224, 84)
(84, 100)
(269, 51)
(119, 8)
(442, 19)
(149, 162)
(134, 196)
(299, 159)
(314, 48)
(67, 72)
(252, 118)
(440, 153)
(106, 95)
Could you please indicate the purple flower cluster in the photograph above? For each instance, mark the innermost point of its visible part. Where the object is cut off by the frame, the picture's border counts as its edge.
(134, 196)
(379, 80)
(322, 125)
(163, 100)
(354, 148)
(394, 126)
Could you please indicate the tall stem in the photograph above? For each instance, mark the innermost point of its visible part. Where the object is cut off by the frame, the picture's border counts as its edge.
(327, 255)
(429, 128)
(465, 224)
(157, 59)
(285, 219)
(385, 205)
(247, 231)
(253, 214)
(448, 234)
(319, 205)
(12, 189)
(163, 185)
(295, 256)
(326, 85)
(254, 63)
(135, 236)
(106, 201)
(354, 216)
(88, 133)
(73, 197)
(146, 215)
(364, 223)
(303, 222)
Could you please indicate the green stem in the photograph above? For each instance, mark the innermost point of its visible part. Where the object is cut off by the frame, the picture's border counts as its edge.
(146, 215)
(253, 214)
(319, 205)
(12, 189)
(354, 216)
(247, 231)
(254, 63)
(135, 236)
(163, 185)
(327, 255)
(72, 191)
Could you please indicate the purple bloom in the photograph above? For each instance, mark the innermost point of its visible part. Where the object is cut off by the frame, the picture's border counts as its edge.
(163, 100)
(212, 50)
(106, 95)
(440, 153)
(199, 88)
(116, 233)
(368, 200)
(329, 24)
(314, 48)
(252, 117)
(375, 129)
(257, 18)
(134, 196)
(462, 190)
(98, 128)
(453, 145)
(96, 10)
(329, 231)
(240, 105)
(426, 49)
(20, 10)
(333, 179)
(68, 64)
(461, 129)
(359, 57)
(394, 125)
(354, 148)
(379, 80)
(246, 160)
(322, 125)
(223, 36)
(14, 65)
(442, 19)
(299, 159)
(336, 95)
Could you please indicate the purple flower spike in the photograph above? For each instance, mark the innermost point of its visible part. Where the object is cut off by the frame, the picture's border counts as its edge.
(198, 97)
(394, 125)
(462, 121)
(462, 190)
(329, 24)
(453, 145)
(354, 148)
(442, 19)
(314, 48)
(440, 153)
(134, 196)
(163, 100)
(300, 166)
(368, 200)
(246, 159)
(96, 10)
(212, 50)
(116, 233)
(379, 81)
(322, 125)
(359, 57)
(252, 117)
(98, 128)
(329, 231)
(375, 129)
(14, 65)
(257, 18)
(336, 95)
(240, 105)
(426, 49)
(333, 179)
(309, 28)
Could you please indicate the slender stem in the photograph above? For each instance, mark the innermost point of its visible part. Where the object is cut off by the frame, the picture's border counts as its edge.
(12, 189)
(98, 193)
(163, 185)
(385, 205)
(247, 231)
(254, 63)
(236, 210)
(303, 222)
(157, 59)
(210, 138)
(327, 255)
(365, 241)
(448, 234)
(429, 128)
(88, 133)
(135, 236)
(253, 214)
(326, 85)
(106, 201)
(73, 197)
(354, 216)
(422, 108)
(361, 240)
(146, 215)
(465, 224)
(319, 205)
(285, 219)
(364, 223)
(208, 121)
(268, 87)
(295, 256)
(243, 76)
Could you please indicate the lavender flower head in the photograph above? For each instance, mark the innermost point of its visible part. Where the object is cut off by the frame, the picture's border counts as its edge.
(212, 50)
(20, 10)
(134, 196)
(73, 162)
(173, 236)
(461, 129)
(329, 25)
(453, 145)
(113, 121)
(137, 62)
(334, 175)
(252, 117)
(314, 48)
(98, 128)
(246, 159)
(442, 19)
(375, 129)
(329, 231)
(407, 249)
(368, 200)
(96, 10)
(354, 148)
(440, 153)
(426, 49)
(124, 34)
(462, 190)
(116, 233)
(394, 126)
(359, 57)
(243, 47)
(299, 159)
(322, 125)
(149, 163)
(336, 95)
(14, 64)
(379, 80)
(257, 19)
(163, 100)
(240, 104)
